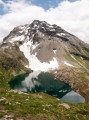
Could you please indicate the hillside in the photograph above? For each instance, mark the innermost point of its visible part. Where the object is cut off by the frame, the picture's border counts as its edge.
(40, 46)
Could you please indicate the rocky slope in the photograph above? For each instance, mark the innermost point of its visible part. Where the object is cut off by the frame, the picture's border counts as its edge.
(45, 47)
(48, 47)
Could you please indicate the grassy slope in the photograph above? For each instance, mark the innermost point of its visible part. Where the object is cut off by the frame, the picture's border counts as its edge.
(37, 106)
(11, 64)
(40, 106)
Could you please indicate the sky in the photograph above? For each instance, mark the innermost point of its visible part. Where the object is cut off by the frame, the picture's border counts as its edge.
(46, 4)
(71, 15)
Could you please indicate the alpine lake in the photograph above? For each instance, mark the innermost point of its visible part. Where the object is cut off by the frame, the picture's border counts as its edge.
(37, 81)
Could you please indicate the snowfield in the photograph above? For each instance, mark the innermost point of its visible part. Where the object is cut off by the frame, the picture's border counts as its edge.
(34, 63)
(68, 64)
(17, 38)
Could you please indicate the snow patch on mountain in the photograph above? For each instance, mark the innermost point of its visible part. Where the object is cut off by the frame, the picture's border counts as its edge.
(52, 29)
(66, 63)
(34, 63)
(60, 34)
(54, 51)
(5, 47)
(17, 38)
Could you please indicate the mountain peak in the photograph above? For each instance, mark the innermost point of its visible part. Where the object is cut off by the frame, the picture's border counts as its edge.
(36, 28)
(47, 46)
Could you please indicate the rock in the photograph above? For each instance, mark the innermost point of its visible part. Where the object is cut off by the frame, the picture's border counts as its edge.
(4, 100)
(17, 103)
(65, 105)
(7, 117)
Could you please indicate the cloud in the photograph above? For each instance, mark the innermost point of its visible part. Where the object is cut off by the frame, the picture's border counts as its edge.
(1, 2)
(71, 16)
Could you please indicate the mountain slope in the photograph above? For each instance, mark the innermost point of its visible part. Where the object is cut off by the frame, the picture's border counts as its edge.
(39, 106)
(45, 47)
(48, 46)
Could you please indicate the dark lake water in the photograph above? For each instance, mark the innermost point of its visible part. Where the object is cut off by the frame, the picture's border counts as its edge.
(46, 83)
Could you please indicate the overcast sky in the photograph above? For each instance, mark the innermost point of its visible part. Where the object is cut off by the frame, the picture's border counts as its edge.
(72, 15)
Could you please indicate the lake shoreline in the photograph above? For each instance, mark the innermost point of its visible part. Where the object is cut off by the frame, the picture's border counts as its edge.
(45, 82)
(73, 77)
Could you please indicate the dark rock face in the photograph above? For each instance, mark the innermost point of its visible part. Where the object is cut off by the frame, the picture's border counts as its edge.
(37, 28)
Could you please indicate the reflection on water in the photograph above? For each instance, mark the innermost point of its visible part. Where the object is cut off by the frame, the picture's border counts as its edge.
(73, 97)
(45, 82)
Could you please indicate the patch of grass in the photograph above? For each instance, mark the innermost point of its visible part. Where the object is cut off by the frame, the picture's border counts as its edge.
(68, 56)
(5, 76)
(86, 53)
(82, 61)
(12, 58)
(2, 114)
(46, 107)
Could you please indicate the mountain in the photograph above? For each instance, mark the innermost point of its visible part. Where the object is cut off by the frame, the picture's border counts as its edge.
(46, 47)
(49, 48)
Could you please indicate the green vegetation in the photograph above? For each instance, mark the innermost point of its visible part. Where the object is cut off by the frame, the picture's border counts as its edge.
(16, 105)
(37, 106)
(86, 53)
(68, 56)
(12, 57)
(82, 61)
(40, 106)
(11, 65)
